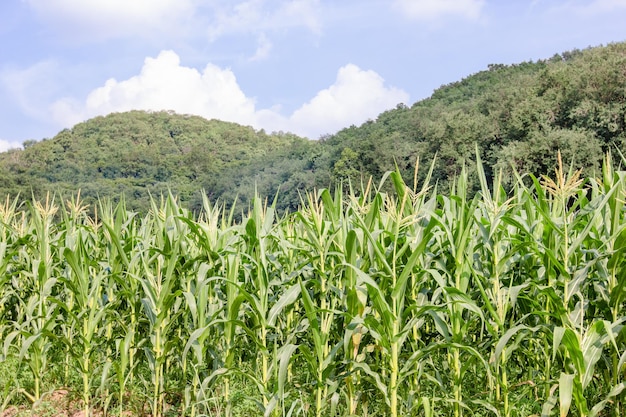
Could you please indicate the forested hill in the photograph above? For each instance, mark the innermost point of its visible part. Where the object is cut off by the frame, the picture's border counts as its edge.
(139, 154)
(518, 115)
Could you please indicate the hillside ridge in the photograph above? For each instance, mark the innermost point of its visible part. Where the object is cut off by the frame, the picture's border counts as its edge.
(518, 115)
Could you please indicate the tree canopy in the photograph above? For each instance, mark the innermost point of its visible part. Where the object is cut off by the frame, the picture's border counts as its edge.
(517, 115)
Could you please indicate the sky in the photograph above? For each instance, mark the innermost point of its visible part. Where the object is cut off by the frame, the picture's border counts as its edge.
(311, 67)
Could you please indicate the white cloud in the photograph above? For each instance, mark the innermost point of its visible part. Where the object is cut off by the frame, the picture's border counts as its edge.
(5, 145)
(113, 18)
(161, 21)
(223, 16)
(264, 46)
(434, 9)
(356, 96)
(164, 84)
(253, 16)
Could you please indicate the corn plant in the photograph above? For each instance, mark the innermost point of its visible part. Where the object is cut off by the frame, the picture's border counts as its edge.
(383, 300)
(320, 292)
(119, 235)
(33, 329)
(394, 255)
(213, 237)
(161, 296)
(495, 259)
(264, 280)
(456, 245)
(86, 316)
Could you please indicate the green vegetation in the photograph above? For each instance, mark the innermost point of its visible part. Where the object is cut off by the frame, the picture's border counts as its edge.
(492, 285)
(138, 154)
(519, 115)
(412, 303)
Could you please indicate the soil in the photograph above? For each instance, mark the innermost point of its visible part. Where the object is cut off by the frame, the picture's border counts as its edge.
(57, 404)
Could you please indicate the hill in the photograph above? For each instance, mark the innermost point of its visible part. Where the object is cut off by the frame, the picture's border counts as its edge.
(139, 153)
(518, 115)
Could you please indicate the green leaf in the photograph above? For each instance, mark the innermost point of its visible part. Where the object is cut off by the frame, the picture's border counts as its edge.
(288, 297)
(565, 393)
(284, 357)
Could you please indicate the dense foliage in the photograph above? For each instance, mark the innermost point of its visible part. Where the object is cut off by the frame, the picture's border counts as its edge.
(519, 115)
(416, 303)
(138, 154)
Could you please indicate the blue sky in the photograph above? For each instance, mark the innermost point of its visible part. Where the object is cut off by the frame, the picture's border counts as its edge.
(307, 66)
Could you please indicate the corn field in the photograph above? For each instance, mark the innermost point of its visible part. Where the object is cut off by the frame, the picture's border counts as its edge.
(405, 302)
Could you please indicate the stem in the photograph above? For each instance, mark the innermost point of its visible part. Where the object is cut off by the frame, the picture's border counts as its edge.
(37, 388)
(505, 383)
(318, 392)
(547, 372)
(226, 396)
(121, 399)
(264, 365)
(157, 373)
(86, 383)
(350, 397)
(457, 383)
(393, 383)
(194, 392)
(86, 370)
(131, 348)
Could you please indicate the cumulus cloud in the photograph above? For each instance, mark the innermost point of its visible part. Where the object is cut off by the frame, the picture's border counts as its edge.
(164, 84)
(5, 145)
(113, 18)
(434, 9)
(356, 96)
